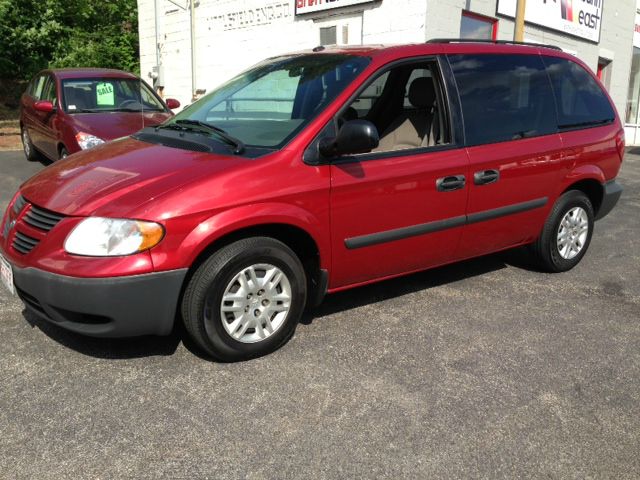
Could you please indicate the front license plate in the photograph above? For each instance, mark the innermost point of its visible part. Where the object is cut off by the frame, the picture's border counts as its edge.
(6, 275)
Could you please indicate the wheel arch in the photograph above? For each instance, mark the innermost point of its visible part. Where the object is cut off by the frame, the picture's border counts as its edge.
(588, 179)
(293, 226)
(592, 188)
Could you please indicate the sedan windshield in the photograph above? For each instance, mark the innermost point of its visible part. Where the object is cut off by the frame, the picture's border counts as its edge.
(269, 103)
(95, 95)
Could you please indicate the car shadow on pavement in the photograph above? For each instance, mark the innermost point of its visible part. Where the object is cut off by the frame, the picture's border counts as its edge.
(108, 348)
(139, 347)
(377, 292)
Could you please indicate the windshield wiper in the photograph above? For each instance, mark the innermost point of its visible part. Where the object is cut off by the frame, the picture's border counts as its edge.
(137, 110)
(83, 110)
(589, 123)
(230, 140)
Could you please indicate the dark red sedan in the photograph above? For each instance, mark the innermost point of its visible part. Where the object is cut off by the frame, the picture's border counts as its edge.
(67, 110)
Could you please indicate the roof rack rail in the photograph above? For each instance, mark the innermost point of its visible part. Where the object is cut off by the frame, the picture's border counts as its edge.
(497, 42)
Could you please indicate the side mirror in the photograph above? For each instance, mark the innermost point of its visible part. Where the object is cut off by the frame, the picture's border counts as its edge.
(172, 103)
(355, 136)
(44, 106)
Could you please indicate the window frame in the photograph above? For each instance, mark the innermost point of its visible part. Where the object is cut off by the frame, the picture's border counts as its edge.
(483, 18)
(36, 82)
(50, 82)
(63, 100)
(549, 81)
(443, 91)
(594, 78)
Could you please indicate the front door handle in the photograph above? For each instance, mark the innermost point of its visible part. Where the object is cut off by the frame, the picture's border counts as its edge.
(450, 183)
(485, 177)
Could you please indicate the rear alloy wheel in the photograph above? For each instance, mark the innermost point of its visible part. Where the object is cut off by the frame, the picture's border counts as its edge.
(566, 234)
(28, 148)
(246, 299)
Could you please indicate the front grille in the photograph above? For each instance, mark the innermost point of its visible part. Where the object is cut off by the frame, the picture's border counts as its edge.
(19, 204)
(43, 219)
(24, 243)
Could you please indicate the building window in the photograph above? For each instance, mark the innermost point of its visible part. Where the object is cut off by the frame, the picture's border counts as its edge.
(328, 36)
(478, 27)
(634, 88)
(604, 72)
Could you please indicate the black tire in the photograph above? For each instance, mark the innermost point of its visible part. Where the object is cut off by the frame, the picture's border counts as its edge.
(63, 153)
(203, 297)
(29, 150)
(545, 249)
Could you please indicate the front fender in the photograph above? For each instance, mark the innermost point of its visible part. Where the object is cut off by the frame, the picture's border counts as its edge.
(210, 229)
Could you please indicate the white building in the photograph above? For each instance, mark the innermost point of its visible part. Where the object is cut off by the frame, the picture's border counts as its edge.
(230, 35)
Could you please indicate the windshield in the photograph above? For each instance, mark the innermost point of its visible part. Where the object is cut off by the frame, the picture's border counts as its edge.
(269, 103)
(94, 95)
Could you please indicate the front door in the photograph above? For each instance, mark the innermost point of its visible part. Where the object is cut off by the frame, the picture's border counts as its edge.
(402, 207)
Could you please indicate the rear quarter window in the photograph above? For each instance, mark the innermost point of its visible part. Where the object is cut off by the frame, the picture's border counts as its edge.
(503, 97)
(580, 100)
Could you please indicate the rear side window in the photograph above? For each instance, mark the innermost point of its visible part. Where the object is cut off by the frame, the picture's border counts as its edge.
(581, 102)
(504, 97)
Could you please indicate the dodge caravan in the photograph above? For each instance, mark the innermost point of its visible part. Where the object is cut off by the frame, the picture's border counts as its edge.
(312, 173)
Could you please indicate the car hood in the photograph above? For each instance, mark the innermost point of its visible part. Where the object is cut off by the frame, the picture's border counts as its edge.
(114, 179)
(110, 126)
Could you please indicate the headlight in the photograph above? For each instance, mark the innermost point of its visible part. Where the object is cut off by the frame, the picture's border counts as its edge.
(86, 140)
(106, 237)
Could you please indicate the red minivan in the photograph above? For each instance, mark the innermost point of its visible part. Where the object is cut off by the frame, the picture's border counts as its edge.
(312, 173)
(64, 111)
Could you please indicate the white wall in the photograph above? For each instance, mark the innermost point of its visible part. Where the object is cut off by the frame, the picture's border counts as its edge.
(232, 35)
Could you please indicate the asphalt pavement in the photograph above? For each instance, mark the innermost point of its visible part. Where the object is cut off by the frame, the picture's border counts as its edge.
(484, 369)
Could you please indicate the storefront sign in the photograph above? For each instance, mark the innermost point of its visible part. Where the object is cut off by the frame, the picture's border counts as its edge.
(308, 6)
(251, 17)
(580, 18)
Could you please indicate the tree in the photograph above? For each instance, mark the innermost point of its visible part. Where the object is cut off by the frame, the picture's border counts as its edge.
(36, 34)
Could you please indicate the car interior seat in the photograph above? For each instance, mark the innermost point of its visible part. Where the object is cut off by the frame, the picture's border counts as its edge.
(416, 127)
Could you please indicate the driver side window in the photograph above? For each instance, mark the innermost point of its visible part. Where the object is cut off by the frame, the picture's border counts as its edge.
(405, 104)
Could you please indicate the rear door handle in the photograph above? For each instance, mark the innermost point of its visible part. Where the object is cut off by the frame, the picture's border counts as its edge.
(486, 177)
(450, 183)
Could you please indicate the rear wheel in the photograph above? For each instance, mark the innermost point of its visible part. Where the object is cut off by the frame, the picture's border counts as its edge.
(29, 150)
(245, 300)
(63, 153)
(567, 233)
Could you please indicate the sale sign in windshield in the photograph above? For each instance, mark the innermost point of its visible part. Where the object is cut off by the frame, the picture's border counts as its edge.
(580, 18)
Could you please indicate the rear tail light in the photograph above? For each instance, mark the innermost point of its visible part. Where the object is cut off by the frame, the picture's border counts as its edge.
(620, 143)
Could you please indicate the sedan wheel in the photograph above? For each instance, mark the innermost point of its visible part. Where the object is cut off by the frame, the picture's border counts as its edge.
(27, 146)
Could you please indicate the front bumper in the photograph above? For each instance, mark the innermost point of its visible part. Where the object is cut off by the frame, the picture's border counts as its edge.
(612, 192)
(103, 307)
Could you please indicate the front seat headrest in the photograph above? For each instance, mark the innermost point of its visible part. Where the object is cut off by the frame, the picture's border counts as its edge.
(421, 93)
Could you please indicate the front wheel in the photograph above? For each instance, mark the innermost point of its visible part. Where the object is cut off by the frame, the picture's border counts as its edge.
(245, 300)
(566, 234)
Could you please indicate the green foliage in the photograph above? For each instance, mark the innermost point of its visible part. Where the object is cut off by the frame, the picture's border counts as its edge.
(36, 34)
